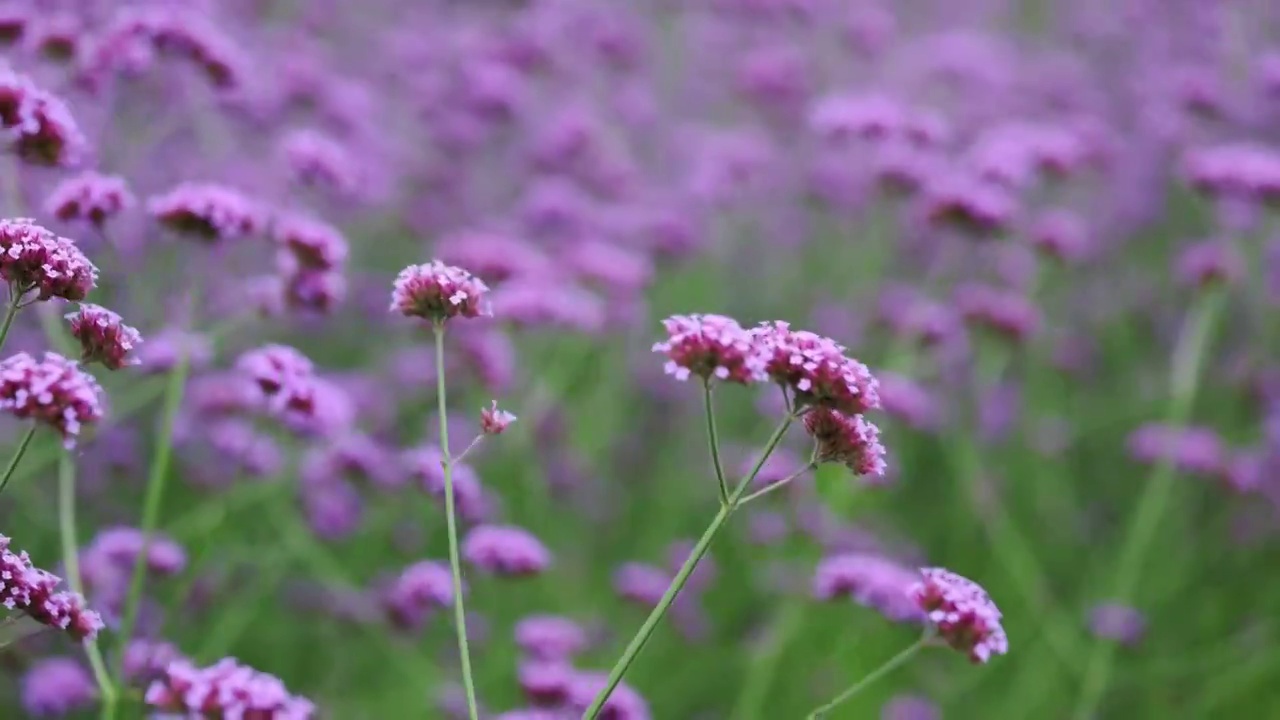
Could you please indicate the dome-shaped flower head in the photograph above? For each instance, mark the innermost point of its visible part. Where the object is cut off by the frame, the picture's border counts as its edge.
(89, 197)
(312, 244)
(208, 212)
(641, 583)
(15, 17)
(53, 391)
(39, 123)
(624, 703)
(961, 613)
(545, 683)
(57, 686)
(870, 580)
(549, 303)
(970, 205)
(550, 637)
(421, 588)
(710, 346)
(121, 547)
(28, 589)
(493, 421)
(56, 36)
(505, 550)
(191, 35)
(314, 158)
(1209, 263)
(103, 336)
(285, 376)
(225, 689)
(1061, 235)
(424, 467)
(437, 292)
(815, 369)
(1008, 314)
(32, 259)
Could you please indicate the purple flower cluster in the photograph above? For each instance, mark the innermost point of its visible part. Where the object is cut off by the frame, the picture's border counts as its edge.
(35, 260)
(225, 689)
(103, 337)
(208, 212)
(52, 391)
(435, 291)
(961, 613)
(27, 589)
(38, 123)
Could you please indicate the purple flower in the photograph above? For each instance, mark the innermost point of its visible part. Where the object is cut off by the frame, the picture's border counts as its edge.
(641, 583)
(545, 683)
(1120, 623)
(438, 292)
(1211, 262)
(28, 589)
(624, 703)
(550, 637)
(310, 243)
(57, 686)
(283, 374)
(961, 613)
(33, 259)
(424, 467)
(1196, 450)
(505, 550)
(89, 197)
(53, 391)
(145, 660)
(208, 212)
(121, 546)
(420, 588)
(225, 689)
(870, 580)
(314, 158)
(910, 707)
(103, 336)
(852, 441)
(815, 369)
(38, 122)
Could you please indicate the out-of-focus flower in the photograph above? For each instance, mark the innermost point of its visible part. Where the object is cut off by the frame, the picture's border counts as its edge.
(1211, 262)
(89, 197)
(435, 291)
(208, 212)
(314, 158)
(53, 391)
(421, 588)
(641, 583)
(910, 707)
(623, 704)
(283, 374)
(425, 468)
(1008, 314)
(38, 123)
(1120, 623)
(961, 613)
(57, 686)
(871, 580)
(103, 336)
(505, 550)
(550, 637)
(225, 689)
(145, 660)
(1196, 450)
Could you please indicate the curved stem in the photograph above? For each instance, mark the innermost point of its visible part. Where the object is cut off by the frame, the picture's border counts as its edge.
(17, 456)
(892, 664)
(713, 439)
(781, 483)
(455, 564)
(71, 563)
(1188, 356)
(156, 480)
(682, 576)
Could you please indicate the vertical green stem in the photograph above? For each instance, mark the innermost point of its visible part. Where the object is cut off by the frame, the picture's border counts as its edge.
(71, 561)
(455, 564)
(713, 438)
(17, 456)
(892, 664)
(682, 576)
(1188, 356)
(11, 312)
(156, 480)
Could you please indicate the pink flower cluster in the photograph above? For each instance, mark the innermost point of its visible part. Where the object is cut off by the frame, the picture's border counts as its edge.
(39, 123)
(207, 212)
(53, 391)
(816, 370)
(310, 263)
(33, 259)
(90, 197)
(438, 292)
(505, 550)
(226, 689)
(30, 590)
(850, 440)
(284, 375)
(419, 589)
(961, 613)
(103, 336)
(711, 346)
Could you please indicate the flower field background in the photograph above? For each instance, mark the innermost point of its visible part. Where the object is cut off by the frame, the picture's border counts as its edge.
(1007, 273)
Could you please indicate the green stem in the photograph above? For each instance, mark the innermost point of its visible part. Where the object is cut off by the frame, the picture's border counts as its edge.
(15, 304)
(152, 501)
(682, 576)
(713, 439)
(892, 664)
(455, 564)
(71, 562)
(17, 456)
(781, 483)
(1188, 356)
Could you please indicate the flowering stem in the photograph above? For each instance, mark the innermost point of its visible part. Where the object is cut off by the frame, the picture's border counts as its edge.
(713, 439)
(682, 576)
(15, 304)
(455, 565)
(71, 562)
(1188, 356)
(17, 456)
(156, 479)
(892, 664)
(784, 481)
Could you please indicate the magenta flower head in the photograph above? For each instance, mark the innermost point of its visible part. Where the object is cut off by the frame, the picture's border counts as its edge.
(32, 259)
(851, 440)
(146, 660)
(437, 292)
(312, 245)
(623, 704)
(208, 212)
(1209, 263)
(89, 197)
(57, 686)
(421, 588)
(316, 159)
(961, 613)
(225, 689)
(550, 637)
(505, 550)
(283, 374)
(53, 391)
(493, 421)
(815, 369)
(28, 589)
(103, 336)
(38, 123)
(710, 347)
(870, 580)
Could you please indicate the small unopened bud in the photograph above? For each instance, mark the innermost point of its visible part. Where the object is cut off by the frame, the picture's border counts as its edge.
(493, 420)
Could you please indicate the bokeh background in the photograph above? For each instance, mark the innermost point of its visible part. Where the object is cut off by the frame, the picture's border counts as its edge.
(1045, 226)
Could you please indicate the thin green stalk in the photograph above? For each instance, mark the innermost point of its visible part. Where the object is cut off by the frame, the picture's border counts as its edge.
(15, 300)
(71, 561)
(455, 564)
(781, 483)
(153, 499)
(713, 439)
(682, 576)
(1188, 356)
(892, 664)
(17, 456)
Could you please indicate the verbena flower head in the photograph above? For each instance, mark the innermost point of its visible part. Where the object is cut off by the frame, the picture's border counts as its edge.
(1209, 263)
(283, 374)
(851, 440)
(208, 212)
(53, 391)
(641, 583)
(30, 590)
(815, 369)
(437, 292)
(710, 347)
(57, 686)
(623, 704)
(550, 637)
(493, 421)
(103, 336)
(145, 660)
(89, 197)
(313, 245)
(314, 158)
(38, 123)
(961, 613)
(33, 259)
(420, 589)
(225, 689)
(121, 546)
(505, 550)
(871, 580)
